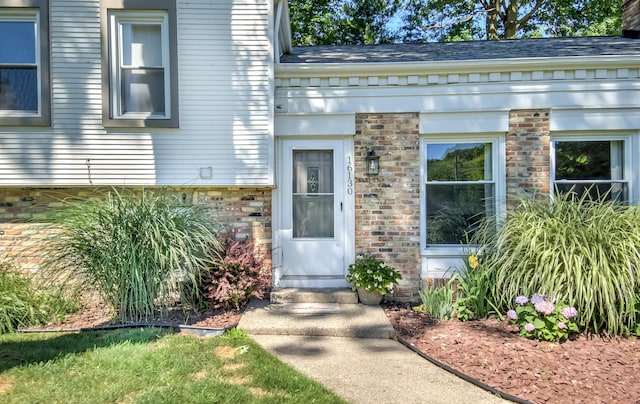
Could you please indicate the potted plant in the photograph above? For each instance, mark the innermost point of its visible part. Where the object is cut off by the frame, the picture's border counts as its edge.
(372, 278)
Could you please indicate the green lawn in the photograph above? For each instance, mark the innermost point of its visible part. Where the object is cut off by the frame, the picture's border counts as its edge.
(147, 366)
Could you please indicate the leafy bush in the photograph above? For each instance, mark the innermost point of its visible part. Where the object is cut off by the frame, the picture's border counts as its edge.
(22, 305)
(372, 274)
(575, 249)
(141, 250)
(541, 319)
(437, 302)
(474, 284)
(237, 276)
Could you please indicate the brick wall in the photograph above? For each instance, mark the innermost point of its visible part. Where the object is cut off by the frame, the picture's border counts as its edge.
(244, 211)
(528, 166)
(388, 205)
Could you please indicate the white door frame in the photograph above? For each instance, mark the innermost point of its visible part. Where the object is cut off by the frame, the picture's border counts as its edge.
(284, 146)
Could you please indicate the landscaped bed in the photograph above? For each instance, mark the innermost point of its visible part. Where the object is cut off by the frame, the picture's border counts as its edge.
(587, 369)
(584, 369)
(563, 274)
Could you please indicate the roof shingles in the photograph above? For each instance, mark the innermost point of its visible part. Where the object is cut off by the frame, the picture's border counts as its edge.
(468, 50)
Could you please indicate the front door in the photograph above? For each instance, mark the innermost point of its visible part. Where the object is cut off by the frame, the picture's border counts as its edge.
(313, 211)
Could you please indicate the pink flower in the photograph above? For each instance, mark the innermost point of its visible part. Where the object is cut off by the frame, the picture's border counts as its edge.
(569, 312)
(529, 327)
(537, 298)
(562, 325)
(544, 307)
(521, 300)
(511, 314)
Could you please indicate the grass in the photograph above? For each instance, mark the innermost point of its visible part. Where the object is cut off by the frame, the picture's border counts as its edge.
(437, 303)
(23, 304)
(147, 366)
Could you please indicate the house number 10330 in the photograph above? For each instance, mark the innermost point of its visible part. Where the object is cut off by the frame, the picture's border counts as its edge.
(349, 176)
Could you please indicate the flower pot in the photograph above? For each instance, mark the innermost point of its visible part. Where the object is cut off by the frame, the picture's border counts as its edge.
(369, 298)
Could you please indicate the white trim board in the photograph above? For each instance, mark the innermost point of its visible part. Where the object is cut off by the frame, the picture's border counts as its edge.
(464, 122)
(595, 119)
(320, 125)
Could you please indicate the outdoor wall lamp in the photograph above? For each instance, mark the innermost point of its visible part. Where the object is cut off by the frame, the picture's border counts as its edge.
(373, 163)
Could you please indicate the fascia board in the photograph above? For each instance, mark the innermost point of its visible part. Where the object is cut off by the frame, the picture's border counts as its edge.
(284, 70)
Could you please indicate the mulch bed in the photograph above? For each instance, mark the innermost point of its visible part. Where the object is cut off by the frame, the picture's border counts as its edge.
(96, 314)
(587, 369)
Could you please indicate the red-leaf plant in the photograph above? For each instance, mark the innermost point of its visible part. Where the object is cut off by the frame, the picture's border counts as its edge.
(238, 274)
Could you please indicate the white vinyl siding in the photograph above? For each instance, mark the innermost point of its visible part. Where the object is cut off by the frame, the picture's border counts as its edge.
(225, 71)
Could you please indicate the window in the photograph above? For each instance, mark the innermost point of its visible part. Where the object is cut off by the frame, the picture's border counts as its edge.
(24, 84)
(460, 189)
(141, 66)
(313, 194)
(593, 166)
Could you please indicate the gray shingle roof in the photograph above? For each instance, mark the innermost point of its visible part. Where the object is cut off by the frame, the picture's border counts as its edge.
(469, 50)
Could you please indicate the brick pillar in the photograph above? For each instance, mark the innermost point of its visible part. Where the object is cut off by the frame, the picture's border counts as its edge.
(528, 155)
(388, 205)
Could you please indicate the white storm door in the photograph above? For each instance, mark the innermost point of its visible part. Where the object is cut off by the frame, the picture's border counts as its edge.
(313, 213)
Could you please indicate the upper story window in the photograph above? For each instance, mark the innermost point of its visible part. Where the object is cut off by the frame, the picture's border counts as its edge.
(24, 67)
(141, 68)
(594, 166)
(460, 189)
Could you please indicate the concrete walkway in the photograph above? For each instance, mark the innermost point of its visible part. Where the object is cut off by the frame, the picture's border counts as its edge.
(348, 348)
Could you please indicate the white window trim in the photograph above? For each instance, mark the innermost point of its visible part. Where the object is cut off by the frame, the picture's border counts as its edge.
(627, 153)
(499, 179)
(35, 11)
(116, 19)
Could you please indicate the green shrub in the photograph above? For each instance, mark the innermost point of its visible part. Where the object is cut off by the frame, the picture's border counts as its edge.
(23, 305)
(474, 285)
(580, 251)
(141, 250)
(236, 276)
(372, 274)
(437, 302)
(543, 319)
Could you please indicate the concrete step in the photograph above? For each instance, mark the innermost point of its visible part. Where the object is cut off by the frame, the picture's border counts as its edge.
(328, 295)
(316, 319)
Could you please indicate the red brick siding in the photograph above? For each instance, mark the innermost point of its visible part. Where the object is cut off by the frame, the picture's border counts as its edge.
(528, 166)
(244, 211)
(388, 205)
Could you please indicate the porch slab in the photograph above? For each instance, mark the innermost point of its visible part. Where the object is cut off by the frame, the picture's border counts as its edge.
(317, 295)
(312, 309)
(327, 320)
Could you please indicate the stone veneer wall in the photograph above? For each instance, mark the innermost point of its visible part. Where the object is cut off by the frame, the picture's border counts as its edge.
(528, 165)
(245, 211)
(388, 205)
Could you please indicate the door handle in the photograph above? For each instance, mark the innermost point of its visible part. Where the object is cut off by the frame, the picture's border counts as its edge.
(340, 206)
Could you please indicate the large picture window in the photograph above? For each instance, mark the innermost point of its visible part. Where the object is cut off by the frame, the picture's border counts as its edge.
(24, 98)
(460, 190)
(591, 166)
(141, 69)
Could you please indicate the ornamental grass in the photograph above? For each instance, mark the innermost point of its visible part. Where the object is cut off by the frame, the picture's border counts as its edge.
(581, 251)
(142, 251)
